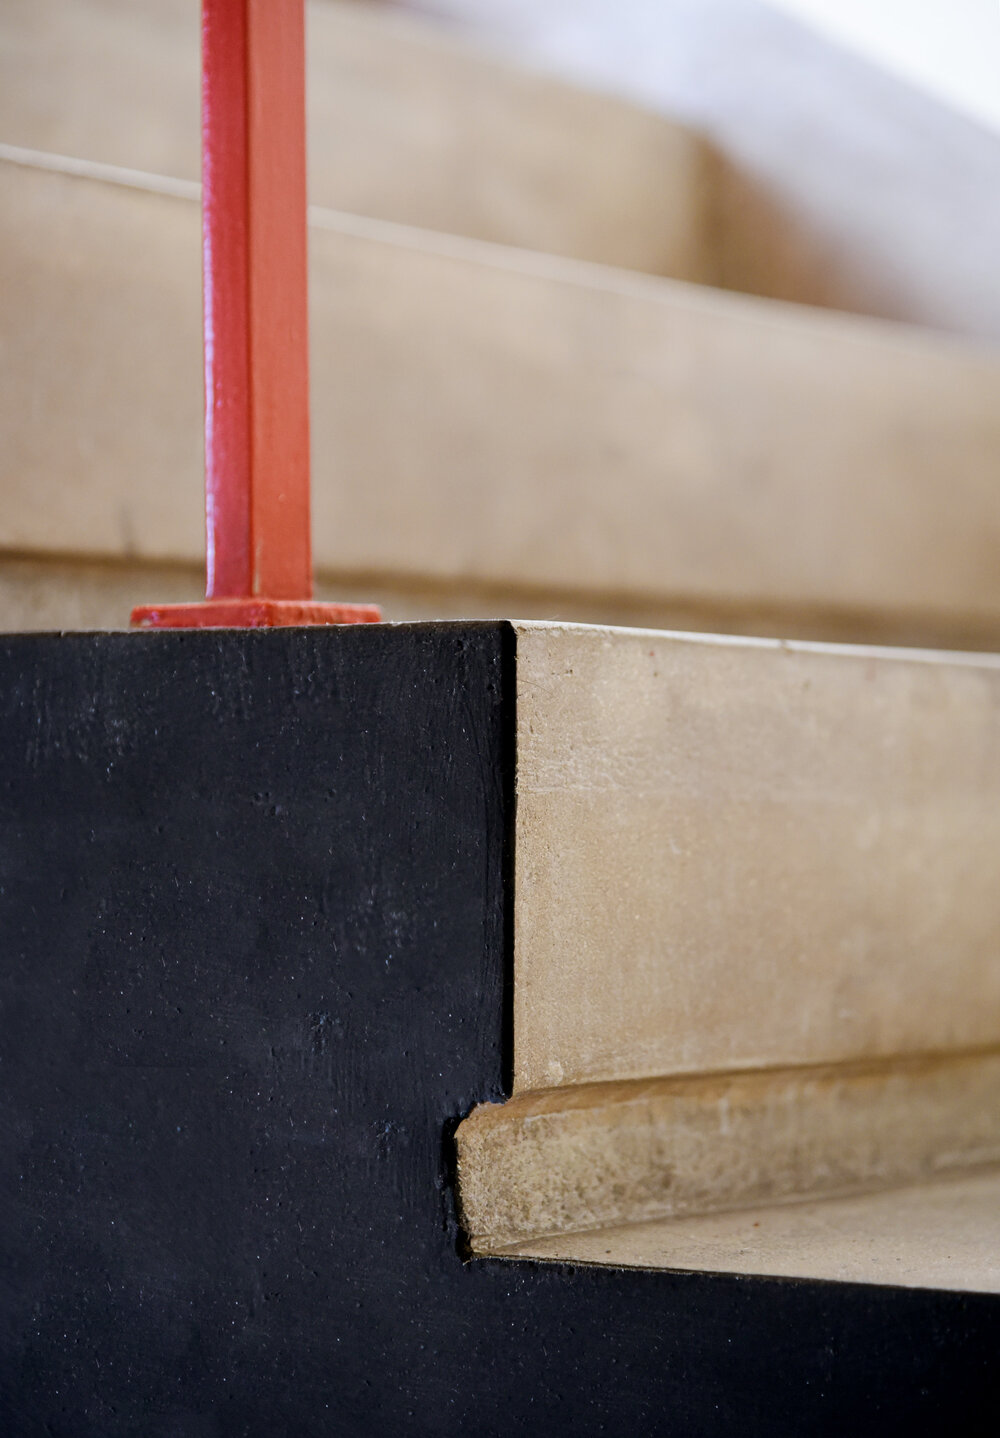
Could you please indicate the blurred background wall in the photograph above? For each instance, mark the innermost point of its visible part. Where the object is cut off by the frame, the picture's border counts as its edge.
(674, 314)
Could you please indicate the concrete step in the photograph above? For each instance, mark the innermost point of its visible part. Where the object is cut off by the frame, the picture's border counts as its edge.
(406, 123)
(756, 947)
(494, 424)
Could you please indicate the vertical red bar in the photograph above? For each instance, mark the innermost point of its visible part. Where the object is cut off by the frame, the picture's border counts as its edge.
(256, 327)
(224, 179)
(256, 322)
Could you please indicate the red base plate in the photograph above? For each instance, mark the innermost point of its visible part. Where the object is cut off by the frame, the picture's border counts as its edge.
(251, 614)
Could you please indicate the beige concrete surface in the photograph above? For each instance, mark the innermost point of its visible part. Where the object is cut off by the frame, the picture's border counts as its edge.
(756, 958)
(934, 1235)
(592, 1156)
(406, 123)
(738, 854)
(485, 417)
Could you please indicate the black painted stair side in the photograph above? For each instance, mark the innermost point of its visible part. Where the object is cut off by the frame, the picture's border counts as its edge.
(254, 967)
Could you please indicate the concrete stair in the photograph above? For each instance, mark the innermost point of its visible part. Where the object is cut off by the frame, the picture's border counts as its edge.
(764, 871)
(495, 425)
(756, 936)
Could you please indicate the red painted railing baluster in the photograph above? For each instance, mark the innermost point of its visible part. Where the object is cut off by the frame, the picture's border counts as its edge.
(259, 566)
(225, 220)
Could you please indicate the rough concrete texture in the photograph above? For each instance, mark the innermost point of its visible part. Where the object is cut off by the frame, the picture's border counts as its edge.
(600, 1155)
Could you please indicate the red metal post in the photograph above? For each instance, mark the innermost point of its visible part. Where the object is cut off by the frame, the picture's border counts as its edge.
(259, 566)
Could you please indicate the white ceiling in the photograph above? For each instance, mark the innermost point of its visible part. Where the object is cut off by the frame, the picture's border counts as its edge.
(948, 47)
